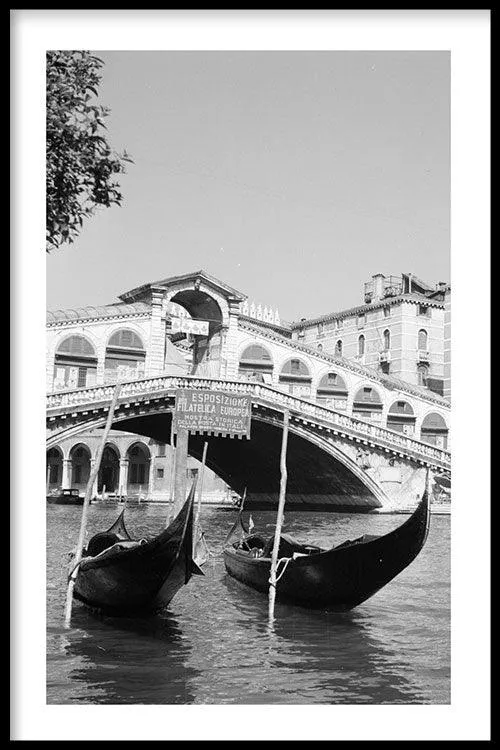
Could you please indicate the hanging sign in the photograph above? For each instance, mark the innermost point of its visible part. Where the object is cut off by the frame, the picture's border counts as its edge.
(202, 412)
(188, 325)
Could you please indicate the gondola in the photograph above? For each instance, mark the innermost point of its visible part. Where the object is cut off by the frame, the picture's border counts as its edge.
(335, 579)
(123, 577)
(66, 497)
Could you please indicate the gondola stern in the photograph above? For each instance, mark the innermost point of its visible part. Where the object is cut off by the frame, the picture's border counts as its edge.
(119, 528)
(195, 569)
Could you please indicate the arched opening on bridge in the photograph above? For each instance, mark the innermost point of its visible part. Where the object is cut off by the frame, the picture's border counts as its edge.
(367, 404)
(109, 470)
(138, 456)
(207, 349)
(125, 356)
(200, 306)
(54, 468)
(80, 466)
(401, 418)
(75, 363)
(332, 391)
(434, 431)
(296, 378)
(256, 363)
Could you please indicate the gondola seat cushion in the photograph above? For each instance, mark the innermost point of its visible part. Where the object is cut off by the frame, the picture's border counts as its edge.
(287, 546)
(100, 542)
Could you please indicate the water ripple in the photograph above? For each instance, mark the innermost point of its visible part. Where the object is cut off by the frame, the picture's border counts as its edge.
(214, 645)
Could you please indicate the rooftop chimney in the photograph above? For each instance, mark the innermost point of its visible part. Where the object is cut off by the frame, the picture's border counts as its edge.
(378, 287)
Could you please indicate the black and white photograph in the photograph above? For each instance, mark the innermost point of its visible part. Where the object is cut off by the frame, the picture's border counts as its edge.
(255, 321)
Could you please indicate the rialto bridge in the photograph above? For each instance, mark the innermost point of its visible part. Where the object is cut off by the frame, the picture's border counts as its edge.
(357, 438)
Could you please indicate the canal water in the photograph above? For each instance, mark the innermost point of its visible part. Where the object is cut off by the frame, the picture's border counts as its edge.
(213, 646)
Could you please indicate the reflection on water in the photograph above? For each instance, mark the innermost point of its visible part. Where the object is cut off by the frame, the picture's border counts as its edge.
(117, 661)
(214, 645)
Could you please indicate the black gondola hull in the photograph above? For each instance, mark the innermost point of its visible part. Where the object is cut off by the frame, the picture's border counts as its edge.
(61, 500)
(343, 577)
(142, 580)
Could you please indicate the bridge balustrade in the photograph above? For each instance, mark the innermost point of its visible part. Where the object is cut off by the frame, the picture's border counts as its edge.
(269, 395)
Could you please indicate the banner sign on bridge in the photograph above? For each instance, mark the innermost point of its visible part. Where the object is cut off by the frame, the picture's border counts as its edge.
(188, 325)
(213, 412)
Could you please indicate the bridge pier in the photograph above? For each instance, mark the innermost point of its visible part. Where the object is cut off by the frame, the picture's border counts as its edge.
(403, 486)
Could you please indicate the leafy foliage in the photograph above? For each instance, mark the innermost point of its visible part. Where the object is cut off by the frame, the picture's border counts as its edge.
(81, 167)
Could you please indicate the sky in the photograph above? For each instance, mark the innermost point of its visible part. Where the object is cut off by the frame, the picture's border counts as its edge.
(292, 176)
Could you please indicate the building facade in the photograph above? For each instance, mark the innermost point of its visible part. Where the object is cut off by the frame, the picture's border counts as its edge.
(399, 330)
(131, 467)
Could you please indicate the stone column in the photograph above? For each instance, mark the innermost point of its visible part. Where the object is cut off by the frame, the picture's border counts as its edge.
(151, 476)
(155, 356)
(387, 401)
(49, 367)
(123, 478)
(350, 399)
(94, 486)
(101, 357)
(418, 427)
(223, 352)
(231, 342)
(66, 473)
(180, 481)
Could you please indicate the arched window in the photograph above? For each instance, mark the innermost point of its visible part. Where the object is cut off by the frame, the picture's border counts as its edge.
(77, 346)
(75, 363)
(126, 339)
(109, 471)
(422, 340)
(296, 378)
(434, 431)
(125, 356)
(387, 339)
(422, 374)
(138, 470)
(256, 364)
(80, 466)
(401, 418)
(332, 391)
(54, 468)
(367, 404)
(338, 348)
(361, 345)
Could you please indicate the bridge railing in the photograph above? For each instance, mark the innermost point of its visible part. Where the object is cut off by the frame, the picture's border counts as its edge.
(159, 384)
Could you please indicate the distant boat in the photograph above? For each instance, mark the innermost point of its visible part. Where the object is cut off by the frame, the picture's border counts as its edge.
(122, 577)
(66, 497)
(339, 578)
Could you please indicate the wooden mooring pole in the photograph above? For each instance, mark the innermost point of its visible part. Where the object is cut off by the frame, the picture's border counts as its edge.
(86, 503)
(180, 480)
(279, 519)
(196, 531)
(173, 456)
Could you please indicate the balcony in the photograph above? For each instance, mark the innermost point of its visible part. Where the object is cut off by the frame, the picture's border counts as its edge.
(423, 355)
(384, 356)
